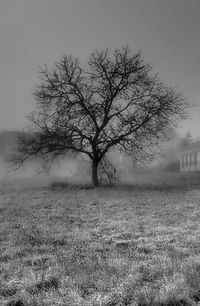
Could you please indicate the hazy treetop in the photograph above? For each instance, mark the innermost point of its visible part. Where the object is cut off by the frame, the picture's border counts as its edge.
(38, 32)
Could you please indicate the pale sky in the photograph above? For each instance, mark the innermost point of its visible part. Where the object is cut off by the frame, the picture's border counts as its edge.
(35, 32)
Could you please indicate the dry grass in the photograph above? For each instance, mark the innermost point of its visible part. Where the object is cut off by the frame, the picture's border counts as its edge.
(129, 245)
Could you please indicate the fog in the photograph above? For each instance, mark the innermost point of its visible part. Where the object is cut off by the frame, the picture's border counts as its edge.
(31, 174)
(78, 169)
(73, 170)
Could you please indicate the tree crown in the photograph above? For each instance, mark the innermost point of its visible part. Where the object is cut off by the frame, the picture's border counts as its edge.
(115, 102)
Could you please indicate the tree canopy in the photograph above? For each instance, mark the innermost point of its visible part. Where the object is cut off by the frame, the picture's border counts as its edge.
(114, 103)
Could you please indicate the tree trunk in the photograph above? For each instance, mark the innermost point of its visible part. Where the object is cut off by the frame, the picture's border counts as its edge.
(95, 173)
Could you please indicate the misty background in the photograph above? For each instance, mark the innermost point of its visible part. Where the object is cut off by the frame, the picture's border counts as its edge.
(39, 32)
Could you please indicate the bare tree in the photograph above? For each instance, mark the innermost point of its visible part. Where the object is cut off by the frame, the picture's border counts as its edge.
(115, 103)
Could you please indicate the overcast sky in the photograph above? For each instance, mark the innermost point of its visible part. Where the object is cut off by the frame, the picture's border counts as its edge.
(35, 32)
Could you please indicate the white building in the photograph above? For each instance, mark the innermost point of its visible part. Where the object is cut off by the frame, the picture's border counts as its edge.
(190, 156)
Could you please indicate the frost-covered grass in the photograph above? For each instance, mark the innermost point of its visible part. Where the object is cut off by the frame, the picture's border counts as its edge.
(125, 245)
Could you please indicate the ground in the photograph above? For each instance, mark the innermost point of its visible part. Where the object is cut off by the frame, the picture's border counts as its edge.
(132, 244)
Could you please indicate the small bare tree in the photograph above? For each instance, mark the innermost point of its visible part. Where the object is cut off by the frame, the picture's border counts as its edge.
(114, 103)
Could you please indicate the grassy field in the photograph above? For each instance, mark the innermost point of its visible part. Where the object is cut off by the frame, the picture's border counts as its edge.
(133, 244)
